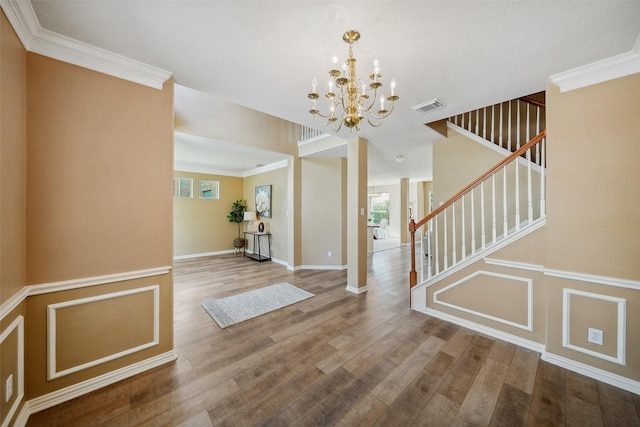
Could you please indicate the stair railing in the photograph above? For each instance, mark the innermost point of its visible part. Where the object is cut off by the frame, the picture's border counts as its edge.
(485, 211)
(506, 124)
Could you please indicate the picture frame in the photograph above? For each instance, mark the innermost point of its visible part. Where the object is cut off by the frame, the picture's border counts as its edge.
(209, 189)
(183, 187)
(263, 201)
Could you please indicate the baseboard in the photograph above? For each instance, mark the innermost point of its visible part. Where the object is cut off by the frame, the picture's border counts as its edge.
(203, 254)
(595, 373)
(357, 290)
(63, 395)
(504, 336)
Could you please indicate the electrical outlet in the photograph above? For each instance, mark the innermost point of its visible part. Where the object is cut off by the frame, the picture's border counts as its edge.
(595, 336)
(8, 388)
(329, 254)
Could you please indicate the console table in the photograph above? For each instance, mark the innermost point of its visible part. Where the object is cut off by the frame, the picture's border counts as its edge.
(256, 251)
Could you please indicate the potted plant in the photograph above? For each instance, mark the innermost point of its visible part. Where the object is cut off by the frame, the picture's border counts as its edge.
(237, 215)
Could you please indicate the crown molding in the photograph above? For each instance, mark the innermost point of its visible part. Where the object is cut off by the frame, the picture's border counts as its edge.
(38, 40)
(598, 72)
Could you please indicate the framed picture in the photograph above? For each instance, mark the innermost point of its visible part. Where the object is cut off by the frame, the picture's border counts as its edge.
(182, 187)
(263, 201)
(209, 189)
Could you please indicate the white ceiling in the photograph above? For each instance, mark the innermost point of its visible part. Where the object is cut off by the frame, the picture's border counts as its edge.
(263, 55)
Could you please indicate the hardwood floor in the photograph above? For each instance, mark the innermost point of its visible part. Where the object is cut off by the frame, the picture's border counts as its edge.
(339, 359)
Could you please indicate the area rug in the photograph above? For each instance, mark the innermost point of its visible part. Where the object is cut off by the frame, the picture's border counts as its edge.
(247, 305)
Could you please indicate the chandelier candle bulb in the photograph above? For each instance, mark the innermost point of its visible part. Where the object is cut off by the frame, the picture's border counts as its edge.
(393, 86)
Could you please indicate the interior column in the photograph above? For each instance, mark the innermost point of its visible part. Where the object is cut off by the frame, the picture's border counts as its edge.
(357, 215)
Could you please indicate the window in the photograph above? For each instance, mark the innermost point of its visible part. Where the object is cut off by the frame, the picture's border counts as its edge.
(379, 203)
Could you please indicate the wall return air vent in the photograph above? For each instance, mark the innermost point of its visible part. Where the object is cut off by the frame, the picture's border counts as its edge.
(428, 106)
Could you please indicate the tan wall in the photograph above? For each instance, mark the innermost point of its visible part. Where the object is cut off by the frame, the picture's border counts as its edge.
(480, 290)
(99, 180)
(593, 217)
(13, 162)
(13, 205)
(277, 225)
(323, 219)
(100, 173)
(201, 225)
(91, 330)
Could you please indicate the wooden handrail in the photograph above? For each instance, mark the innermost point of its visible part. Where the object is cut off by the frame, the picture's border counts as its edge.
(532, 101)
(413, 226)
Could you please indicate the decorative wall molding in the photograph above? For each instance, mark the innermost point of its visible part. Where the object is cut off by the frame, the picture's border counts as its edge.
(615, 67)
(514, 264)
(600, 280)
(16, 325)
(38, 40)
(65, 285)
(528, 281)
(53, 373)
(63, 395)
(621, 327)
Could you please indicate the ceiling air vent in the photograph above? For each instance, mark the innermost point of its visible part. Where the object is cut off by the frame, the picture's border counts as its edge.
(428, 106)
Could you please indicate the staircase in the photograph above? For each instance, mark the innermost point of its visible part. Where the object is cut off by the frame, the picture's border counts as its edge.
(500, 206)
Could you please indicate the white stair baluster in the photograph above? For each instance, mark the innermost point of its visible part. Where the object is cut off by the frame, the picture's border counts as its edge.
(509, 129)
(473, 223)
(501, 126)
(482, 224)
(494, 233)
(505, 221)
(454, 256)
(543, 172)
(429, 248)
(436, 244)
(484, 122)
(463, 236)
(446, 248)
(493, 123)
(529, 189)
(517, 213)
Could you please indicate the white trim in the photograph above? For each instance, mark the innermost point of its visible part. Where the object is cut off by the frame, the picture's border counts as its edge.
(204, 254)
(595, 373)
(322, 267)
(615, 67)
(600, 280)
(514, 339)
(566, 325)
(314, 139)
(71, 392)
(490, 248)
(492, 146)
(14, 301)
(18, 323)
(514, 264)
(528, 281)
(53, 373)
(66, 285)
(357, 290)
(52, 45)
(267, 168)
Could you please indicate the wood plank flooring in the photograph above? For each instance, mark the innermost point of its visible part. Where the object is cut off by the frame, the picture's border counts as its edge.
(339, 359)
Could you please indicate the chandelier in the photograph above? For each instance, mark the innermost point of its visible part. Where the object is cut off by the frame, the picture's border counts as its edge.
(355, 100)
